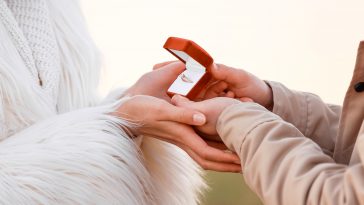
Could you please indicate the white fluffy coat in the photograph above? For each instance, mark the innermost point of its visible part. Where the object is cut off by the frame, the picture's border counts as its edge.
(58, 144)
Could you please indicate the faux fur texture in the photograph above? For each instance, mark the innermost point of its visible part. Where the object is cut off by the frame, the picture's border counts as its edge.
(67, 148)
(80, 157)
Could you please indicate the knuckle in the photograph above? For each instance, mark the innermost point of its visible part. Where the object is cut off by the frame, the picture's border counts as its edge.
(204, 165)
(181, 115)
(155, 66)
(159, 108)
(146, 76)
(203, 153)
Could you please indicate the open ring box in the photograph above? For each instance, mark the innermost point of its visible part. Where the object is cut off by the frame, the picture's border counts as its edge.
(197, 72)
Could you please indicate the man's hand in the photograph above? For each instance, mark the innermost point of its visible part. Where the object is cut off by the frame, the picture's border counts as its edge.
(231, 82)
(157, 118)
(239, 84)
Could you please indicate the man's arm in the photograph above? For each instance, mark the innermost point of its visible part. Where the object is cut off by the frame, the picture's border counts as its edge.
(314, 118)
(282, 165)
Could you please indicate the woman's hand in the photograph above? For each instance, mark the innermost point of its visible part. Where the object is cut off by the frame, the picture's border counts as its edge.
(211, 108)
(157, 82)
(157, 118)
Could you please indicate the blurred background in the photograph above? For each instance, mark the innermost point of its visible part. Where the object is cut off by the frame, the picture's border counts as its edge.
(308, 45)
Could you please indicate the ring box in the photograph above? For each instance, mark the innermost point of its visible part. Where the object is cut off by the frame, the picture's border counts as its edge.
(198, 66)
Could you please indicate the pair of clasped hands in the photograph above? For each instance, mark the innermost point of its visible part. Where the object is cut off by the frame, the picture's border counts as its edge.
(187, 124)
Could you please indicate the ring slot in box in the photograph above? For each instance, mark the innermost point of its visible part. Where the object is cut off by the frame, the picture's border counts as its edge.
(197, 71)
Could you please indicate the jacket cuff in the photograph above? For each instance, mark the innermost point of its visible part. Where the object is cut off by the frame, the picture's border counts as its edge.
(290, 105)
(238, 120)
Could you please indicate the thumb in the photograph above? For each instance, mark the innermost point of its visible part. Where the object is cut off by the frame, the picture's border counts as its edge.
(175, 68)
(227, 74)
(161, 65)
(169, 72)
(184, 115)
(181, 101)
(187, 104)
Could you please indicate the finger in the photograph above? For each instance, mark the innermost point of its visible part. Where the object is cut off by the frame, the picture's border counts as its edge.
(183, 102)
(182, 115)
(215, 89)
(179, 100)
(186, 135)
(211, 165)
(205, 164)
(170, 72)
(190, 139)
(228, 74)
(159, 65)
(175, 67)
(202, 95)
(230, 94)
(222, 94)
(245, 99)
(216, 154)
(217, 145)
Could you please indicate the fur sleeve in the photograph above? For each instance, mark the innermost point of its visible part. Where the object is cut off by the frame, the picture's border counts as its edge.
(81, 157)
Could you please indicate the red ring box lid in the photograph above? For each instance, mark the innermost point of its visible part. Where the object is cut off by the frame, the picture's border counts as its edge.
(198, 64)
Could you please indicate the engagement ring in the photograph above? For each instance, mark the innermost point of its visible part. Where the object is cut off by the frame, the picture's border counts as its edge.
(186, 79)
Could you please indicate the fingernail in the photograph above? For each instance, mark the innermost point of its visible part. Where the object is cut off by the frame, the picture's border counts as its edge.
(199, 118)
(175, 98)
(237, 162)
(178, 97)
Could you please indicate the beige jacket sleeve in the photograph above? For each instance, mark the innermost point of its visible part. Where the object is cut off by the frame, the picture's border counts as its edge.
(282, 165)
(314, 118)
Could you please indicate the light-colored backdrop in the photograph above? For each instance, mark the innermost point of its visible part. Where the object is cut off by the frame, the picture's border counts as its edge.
(307, 44)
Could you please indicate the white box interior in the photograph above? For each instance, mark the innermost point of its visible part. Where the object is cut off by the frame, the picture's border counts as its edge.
(188, 78)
